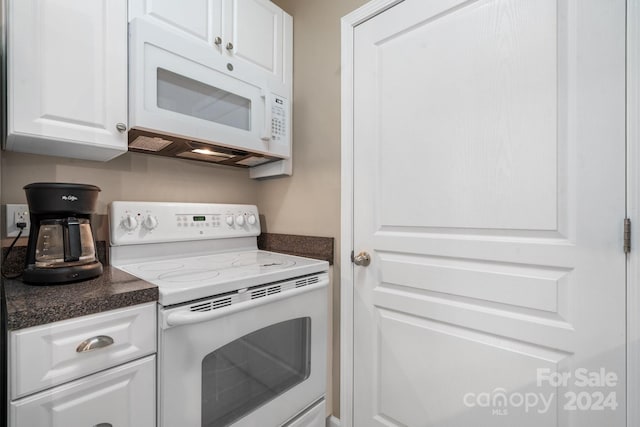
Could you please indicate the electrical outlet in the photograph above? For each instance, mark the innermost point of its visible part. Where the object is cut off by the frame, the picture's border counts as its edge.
(15, 214)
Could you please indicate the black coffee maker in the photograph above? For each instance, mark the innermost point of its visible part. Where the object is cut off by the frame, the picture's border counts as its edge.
(61, 246)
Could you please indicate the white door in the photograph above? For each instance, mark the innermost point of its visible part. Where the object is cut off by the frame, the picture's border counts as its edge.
(67, 77)
(489, 190)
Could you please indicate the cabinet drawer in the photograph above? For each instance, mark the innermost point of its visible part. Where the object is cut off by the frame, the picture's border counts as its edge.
(119, 397)
(49, 355)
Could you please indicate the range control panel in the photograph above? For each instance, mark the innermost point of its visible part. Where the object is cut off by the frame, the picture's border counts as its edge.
(151, 222)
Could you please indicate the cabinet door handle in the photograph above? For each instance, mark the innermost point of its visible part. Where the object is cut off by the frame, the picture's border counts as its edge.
(229, 46)
(218, 41)
(121, 127)
(94, 343)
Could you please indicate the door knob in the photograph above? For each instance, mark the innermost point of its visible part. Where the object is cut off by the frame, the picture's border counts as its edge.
(363, 259)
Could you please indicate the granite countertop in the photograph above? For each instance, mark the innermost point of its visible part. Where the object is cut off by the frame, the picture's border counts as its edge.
(32, 305)
(306, 246)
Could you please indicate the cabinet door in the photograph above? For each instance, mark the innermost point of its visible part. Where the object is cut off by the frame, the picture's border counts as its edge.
(255, 30)
(67, 77)
(201, 19)
(119, 397)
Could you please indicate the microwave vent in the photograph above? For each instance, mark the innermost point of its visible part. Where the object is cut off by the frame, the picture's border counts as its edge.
(149, 143)
(253, 161)
(168, 145)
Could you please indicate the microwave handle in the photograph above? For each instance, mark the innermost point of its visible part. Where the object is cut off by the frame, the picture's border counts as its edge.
(268, 118)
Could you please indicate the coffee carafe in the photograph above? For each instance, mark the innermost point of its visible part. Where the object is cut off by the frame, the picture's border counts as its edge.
(61, 247)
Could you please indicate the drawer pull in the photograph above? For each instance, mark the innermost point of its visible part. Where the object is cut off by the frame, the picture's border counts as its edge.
(94, 343)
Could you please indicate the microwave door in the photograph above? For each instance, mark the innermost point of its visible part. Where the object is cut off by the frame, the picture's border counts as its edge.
(178, 88)
(199, 100)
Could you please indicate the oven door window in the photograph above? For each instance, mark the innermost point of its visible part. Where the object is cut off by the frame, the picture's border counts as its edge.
(254, 369)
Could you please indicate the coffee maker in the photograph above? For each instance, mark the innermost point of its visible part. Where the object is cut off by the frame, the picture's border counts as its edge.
(61, 247)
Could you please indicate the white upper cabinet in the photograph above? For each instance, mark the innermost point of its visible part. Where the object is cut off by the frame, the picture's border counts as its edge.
(67, 77)
(255, 33)
(201, 19)
(251, 35)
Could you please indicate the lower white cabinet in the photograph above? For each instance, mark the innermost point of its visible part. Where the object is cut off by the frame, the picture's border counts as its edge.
(119, 397)
(97, 370)
(45, 356)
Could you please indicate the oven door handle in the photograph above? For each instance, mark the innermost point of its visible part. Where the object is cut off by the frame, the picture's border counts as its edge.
(186, 317)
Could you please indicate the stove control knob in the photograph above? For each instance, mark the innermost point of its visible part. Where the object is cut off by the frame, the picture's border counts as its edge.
(240, 220)
(129, 223)
(230, 220)
(251, 219)
(150, 222)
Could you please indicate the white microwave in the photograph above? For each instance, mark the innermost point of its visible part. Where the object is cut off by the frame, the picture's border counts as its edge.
(186, 102)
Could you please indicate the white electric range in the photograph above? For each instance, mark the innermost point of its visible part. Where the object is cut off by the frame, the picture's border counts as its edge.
(242, 332)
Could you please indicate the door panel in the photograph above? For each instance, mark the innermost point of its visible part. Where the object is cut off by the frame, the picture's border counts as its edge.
(489, 190)
(490, 96)
(445, 349)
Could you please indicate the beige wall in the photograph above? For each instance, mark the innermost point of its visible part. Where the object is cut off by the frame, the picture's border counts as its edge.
(309, 201)
(131, 176)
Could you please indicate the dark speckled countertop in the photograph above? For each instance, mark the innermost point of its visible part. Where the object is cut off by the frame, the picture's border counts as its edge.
(30, 305)
(306, 246)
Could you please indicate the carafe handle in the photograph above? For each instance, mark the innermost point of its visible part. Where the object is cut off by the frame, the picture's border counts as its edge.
(74, 245)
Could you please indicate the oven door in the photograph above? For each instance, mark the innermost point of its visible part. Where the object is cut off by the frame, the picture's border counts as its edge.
(253, 358)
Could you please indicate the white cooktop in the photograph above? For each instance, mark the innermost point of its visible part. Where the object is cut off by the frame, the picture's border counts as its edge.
(188, 278)
(197, 250)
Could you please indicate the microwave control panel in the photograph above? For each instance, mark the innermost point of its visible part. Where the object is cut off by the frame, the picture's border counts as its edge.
(279, 119)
